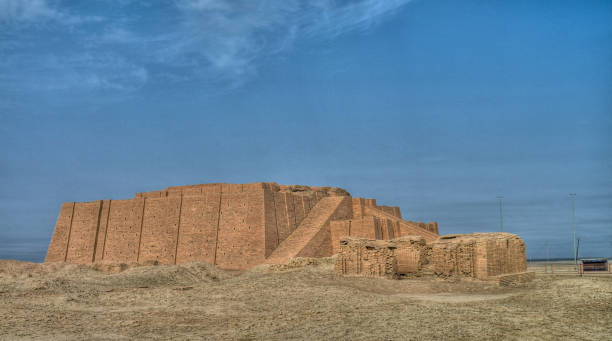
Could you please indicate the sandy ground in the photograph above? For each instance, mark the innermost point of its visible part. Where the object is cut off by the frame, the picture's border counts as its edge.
(302, 302)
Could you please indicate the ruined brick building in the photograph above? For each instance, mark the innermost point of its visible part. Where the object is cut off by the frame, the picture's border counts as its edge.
(238, 226)
(234, 226)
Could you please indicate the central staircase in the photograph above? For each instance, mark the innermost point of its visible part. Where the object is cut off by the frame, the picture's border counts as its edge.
(311, 237)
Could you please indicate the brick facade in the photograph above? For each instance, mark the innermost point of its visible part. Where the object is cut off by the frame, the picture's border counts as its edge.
(234, 226)
(485, 256)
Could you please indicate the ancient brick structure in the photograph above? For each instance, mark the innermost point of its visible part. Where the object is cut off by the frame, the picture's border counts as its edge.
(478, 255)
(366, 257)
(483, 256)
(234, 226)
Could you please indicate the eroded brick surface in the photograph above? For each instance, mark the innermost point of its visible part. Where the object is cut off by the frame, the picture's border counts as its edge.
(486, 256)
(234, 226)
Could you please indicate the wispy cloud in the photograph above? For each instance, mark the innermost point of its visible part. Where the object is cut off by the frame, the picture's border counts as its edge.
(26, 10)
(230, 37)
(38, 11)
(203, 41)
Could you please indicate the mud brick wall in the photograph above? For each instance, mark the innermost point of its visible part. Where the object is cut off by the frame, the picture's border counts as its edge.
(123, 230)
(392, 210)
(387, 227)
(339, 229)
(366, 257)
(484, 256)
(362, 226)
(235, 226)
(402, 227)
(478, 255)
(359, 205)
(241, 239)
(432, 226)
(411, 254)
(152, 194)
(373, 227)
(283, 225)
(59, 241)
(84, 227)
(455, 257)
(158, 240)
(198, 228)
(271, 233)
(505, 253)
(102, 226)
(408, 228)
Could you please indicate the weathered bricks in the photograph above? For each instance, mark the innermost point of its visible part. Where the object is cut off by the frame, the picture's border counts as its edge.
(234, 226)
(478, 255)
(85, 221)
(102, 228)
(312, 237)
(123, 230)
(160, 228)
(59, 241)
(484, 256)
(366, 257)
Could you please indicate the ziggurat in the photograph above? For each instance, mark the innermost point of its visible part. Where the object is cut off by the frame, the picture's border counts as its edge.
(233, 226)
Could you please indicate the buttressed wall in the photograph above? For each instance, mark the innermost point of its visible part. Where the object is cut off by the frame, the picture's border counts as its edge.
(234, 226)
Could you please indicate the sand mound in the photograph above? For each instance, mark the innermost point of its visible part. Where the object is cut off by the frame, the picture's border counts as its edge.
(102, 277)
(325, 264)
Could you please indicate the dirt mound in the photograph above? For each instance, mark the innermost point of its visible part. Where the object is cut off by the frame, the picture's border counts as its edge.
(326, 263)
(16, 269)
(56, 277)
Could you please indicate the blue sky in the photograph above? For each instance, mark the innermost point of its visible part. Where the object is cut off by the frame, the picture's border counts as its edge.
(435, 106)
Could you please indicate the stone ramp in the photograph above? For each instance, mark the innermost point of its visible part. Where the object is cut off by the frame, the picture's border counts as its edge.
(312, 237)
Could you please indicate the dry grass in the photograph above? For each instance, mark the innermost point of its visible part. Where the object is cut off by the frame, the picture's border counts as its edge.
(300, 301)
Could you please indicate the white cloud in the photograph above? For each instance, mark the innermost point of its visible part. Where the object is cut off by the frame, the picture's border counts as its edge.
(229, 37)
(26, 10)
(218, 42)
(36, 11)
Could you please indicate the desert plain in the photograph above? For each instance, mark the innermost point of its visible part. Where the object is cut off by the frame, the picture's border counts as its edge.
(299, 301)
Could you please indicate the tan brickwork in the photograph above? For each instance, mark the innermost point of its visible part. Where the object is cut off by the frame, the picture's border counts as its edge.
(123, 231)
(312, 238)
(85, 221)
(160, 229)
(478, 255)
(233, 226)
(59, 241)
(241, 242)
(366, 257)
(198, 229)
(486, 256)
(101, 234)
(412, 254)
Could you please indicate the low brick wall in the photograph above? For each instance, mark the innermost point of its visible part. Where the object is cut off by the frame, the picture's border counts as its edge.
(486, 256)
(366, 257)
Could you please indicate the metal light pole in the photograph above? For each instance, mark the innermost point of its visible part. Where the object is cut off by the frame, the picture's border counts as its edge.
(573, 198)
(547, 258)
(501, 216)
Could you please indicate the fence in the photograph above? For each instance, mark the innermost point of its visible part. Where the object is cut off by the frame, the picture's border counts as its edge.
(563, 268)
